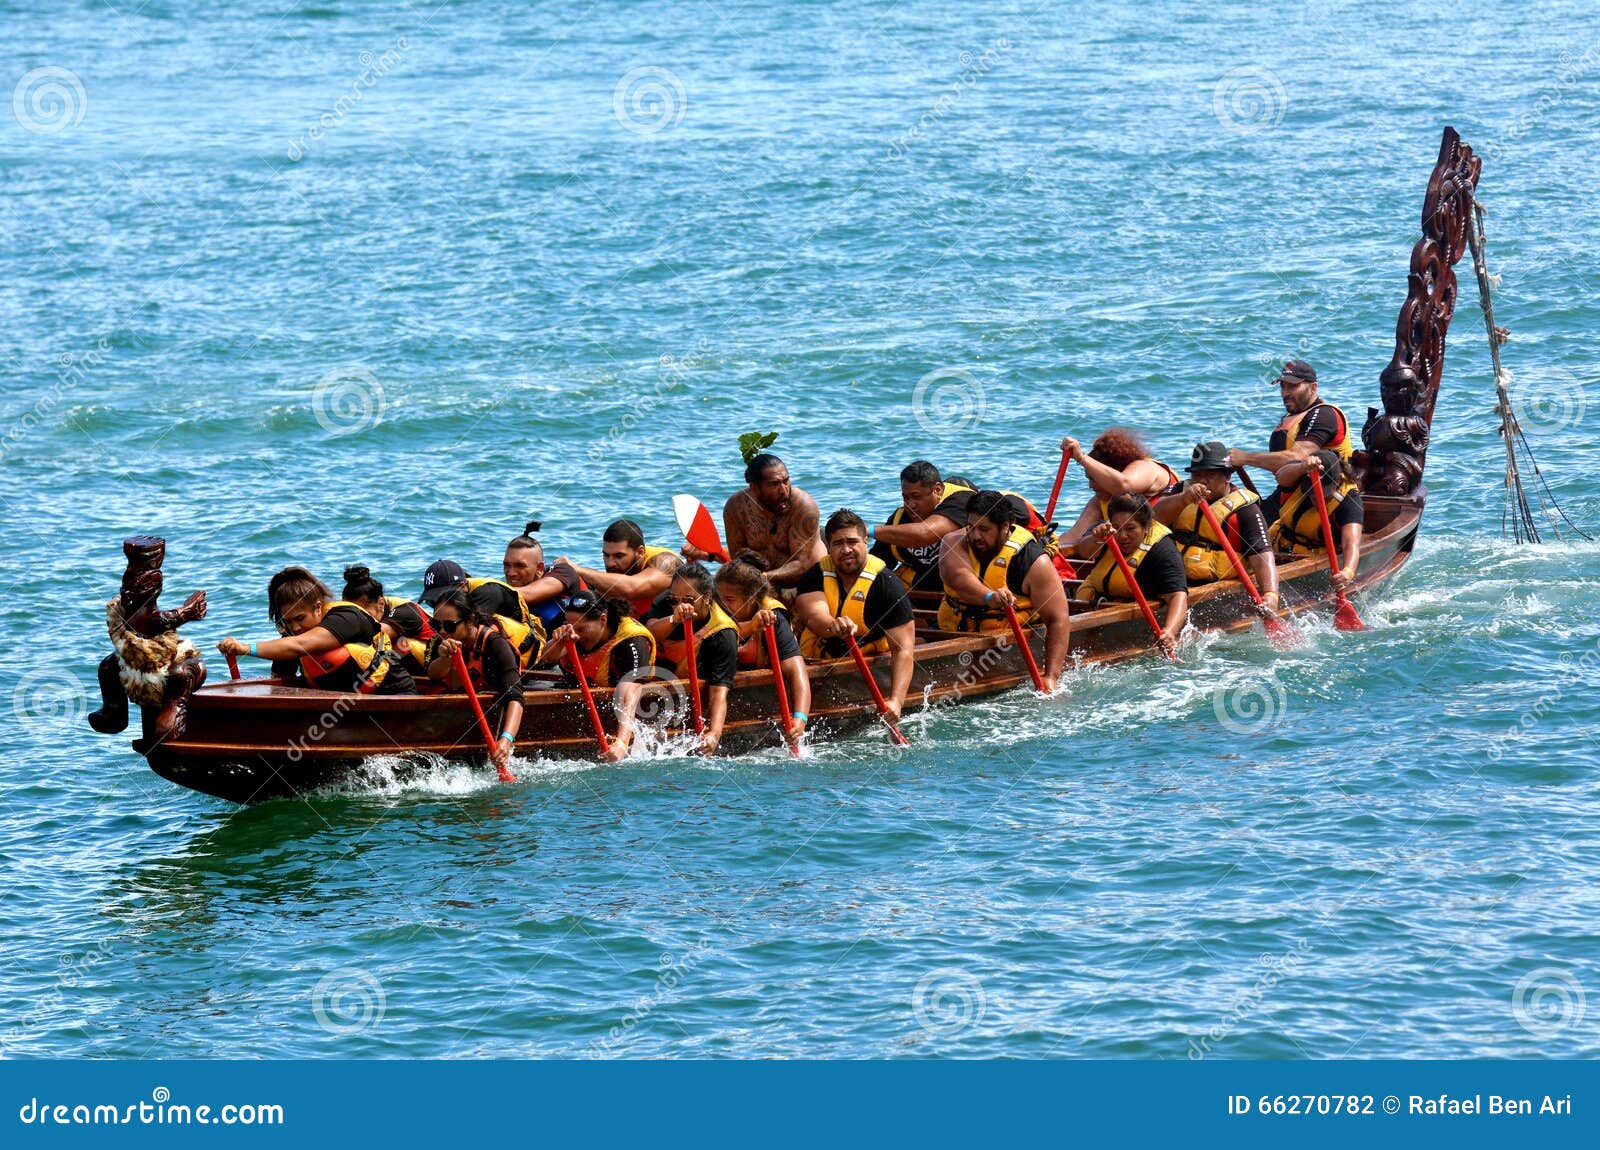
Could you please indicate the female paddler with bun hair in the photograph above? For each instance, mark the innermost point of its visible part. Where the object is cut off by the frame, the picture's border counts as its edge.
(493, 664)
(1118, 463)
(745, 592)
(406, 623)
(692, 595)
(333, 645)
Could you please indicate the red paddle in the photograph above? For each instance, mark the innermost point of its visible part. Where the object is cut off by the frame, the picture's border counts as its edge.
(698, 527)
(233, 665)
(477, 709)
(1055, 492)
(1022, 641)
(1138, 597)
(1278, 631)
(785, 717)
(588, 698)
(877, 695)
(1344, 615)
(694, 674)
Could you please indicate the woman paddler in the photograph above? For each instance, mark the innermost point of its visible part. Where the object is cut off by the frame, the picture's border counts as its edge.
(332, 645)
(492, 664)
(1153, 556)
(615, 650)
(1117, 463)
(750, 602)
(405, 622)
(1298, 528)
(692, 595)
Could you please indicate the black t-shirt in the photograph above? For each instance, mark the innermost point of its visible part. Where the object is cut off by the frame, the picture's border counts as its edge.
(924, 561)
(1161, 571)
(718, 656)
(628, 660)
(888, 606)
(550, 611)
(1251, 525)
(410, 620)
(788, 645)
(502, 672)
(495, 598)
(1349, 510)
(1320, 425)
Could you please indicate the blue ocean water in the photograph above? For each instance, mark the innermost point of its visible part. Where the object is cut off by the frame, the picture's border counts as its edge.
(335, 282)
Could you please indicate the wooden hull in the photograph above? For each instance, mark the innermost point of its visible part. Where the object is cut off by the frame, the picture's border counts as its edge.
(255, 739)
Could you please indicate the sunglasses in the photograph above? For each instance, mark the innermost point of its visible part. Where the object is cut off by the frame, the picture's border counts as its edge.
(448, 626)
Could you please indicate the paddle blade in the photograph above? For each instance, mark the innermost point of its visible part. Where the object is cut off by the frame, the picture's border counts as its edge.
(698, 527)
(1345, 617)
(1281, 635)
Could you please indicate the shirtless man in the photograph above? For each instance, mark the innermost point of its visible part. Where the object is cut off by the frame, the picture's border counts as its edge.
(773, 518)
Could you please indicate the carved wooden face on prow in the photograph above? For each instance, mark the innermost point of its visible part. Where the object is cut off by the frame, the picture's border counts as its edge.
(141, 591)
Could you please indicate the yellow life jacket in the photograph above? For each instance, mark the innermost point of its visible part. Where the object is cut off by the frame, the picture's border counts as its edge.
(528, 639)
(956, 615)
(522, 614)
(1298, 530)
(597, 663)
(1291, 431)
(640, 607)
(1203, 557)
(1105, 580)
(913, 561)
(672, 651)
(359, 667)
(851, 605)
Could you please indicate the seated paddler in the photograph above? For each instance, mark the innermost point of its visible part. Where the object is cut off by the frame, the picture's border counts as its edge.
(543, 588)
(693, 596)
(850, 592)
(1117, 463)
(750, 602)
(1298, 529)
(1237, 511)
(996, 562)
(1310, 424)
(494, 598)
(930, 508)
(614, 649)
(406, 623)
(1153, 557)
(772, 517)
(492, 662)
(325, 643)
(635, 571)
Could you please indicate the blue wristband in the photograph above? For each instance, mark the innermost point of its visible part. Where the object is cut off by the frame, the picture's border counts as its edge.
(989, 596)
(872, 533)
(252, 650)
(801, 715)
(508, 736)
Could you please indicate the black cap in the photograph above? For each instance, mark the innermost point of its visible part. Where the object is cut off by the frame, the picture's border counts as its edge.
(1211, 456)
(1298, 370)
(439, 578)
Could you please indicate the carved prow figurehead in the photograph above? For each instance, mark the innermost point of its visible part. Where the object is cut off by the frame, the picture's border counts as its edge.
(1397, 439)
(151, 664)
